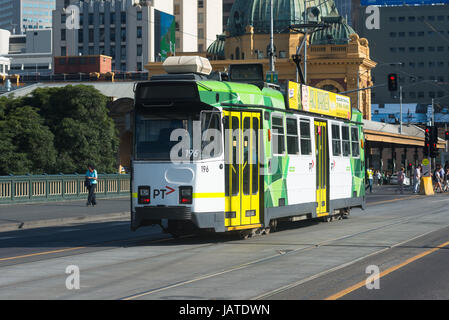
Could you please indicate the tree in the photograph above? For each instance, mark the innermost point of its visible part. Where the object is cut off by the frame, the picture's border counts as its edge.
(26, 144)
(84, 132)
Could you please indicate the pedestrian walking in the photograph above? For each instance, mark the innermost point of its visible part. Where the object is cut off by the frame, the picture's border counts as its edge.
(401, 178)
(379, 178)
(370, 174)
(416, 179)
(437, 179)
(91, 184)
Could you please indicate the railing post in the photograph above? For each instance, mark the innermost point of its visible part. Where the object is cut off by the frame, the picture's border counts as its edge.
(30, 187)
(13, 188)
(62, 186)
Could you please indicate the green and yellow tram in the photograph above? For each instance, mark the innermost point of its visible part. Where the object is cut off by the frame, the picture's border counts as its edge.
(241, 154)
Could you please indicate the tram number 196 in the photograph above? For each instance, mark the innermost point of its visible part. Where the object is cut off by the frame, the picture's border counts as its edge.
(205, 169)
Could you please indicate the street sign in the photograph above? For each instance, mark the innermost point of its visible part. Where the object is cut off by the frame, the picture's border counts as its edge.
(426, 167)
(272, 77)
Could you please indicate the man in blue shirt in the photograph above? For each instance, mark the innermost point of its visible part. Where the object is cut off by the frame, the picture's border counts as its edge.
(91, 176)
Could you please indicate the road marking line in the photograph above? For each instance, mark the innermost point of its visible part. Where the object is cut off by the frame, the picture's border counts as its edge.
(79, 248)
(40, 253)
(393, 200)
(339, 267)
(346, 291)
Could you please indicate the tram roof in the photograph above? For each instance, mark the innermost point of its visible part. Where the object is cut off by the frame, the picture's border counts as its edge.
(239, 93)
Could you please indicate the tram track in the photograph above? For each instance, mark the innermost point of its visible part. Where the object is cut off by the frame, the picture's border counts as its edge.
(143, 241)
(281, 255)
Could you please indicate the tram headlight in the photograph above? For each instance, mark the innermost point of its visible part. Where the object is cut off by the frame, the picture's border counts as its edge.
(144, 195)
(185, 195)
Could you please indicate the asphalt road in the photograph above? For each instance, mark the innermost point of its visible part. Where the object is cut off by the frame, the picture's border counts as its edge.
(404, 236)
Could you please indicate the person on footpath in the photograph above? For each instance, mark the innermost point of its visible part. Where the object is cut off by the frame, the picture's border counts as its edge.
(379, 178)
(370, 179)
(437, 179)
(91, 185)
(401, 178)
(416, 179)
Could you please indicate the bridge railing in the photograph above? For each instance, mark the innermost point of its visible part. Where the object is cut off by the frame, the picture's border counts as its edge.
(42, 188)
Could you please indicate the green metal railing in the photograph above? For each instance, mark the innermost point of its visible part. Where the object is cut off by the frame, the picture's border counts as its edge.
(41, 188)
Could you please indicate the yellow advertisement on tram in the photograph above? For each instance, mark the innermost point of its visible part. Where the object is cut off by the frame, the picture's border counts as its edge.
(305, 98)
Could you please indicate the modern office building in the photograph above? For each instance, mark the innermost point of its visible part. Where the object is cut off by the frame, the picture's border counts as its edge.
(4, 44)
(227, 6)
(132, 32)
(198, 22)
(17, 16)
(412, 41)
(31, 52)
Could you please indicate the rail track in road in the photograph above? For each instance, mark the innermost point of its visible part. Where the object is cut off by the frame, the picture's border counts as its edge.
(199, 244)
(402, 220)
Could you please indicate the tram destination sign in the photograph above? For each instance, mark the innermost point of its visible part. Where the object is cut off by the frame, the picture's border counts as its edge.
(305, 98)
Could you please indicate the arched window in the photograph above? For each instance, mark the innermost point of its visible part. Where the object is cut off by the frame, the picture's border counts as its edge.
(237, 53)
(331, 88)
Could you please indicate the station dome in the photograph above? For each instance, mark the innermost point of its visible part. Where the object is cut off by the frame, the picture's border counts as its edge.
(337, 32)
(256, 13)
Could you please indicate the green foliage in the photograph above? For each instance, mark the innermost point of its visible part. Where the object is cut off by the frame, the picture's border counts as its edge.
(57, 130)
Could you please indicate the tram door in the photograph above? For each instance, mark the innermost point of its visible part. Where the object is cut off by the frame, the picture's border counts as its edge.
(322, 167)
(241, 131)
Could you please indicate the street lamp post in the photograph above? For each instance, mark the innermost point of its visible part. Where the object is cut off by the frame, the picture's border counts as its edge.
(400, 109)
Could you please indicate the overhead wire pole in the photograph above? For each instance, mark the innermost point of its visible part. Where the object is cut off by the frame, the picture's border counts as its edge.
(271, 38)
(305, 42)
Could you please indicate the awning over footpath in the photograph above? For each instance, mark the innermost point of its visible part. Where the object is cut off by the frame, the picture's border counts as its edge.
(381, 132)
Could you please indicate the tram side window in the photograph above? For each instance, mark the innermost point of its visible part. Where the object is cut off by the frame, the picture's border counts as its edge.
(211, 132)
(277, 127)
(346, 143)
(336, 141)
(355, 141)
(292, 136)
(255, 151)
(306, 141)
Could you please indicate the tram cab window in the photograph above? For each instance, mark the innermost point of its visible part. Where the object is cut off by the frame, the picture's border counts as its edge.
(153, 135)
(277, 127)
(292, 136)
(355, 141)
(336, 141)
(306, 140)
(346, 143)
(170, 136)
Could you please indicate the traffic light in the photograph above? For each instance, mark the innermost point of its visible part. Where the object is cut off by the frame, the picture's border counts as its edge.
(446, 135)
(434, 150)
(427, 140)
(392, 82)
(434, 142)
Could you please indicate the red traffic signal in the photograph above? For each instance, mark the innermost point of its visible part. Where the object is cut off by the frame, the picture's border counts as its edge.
(392, 82)
(446, 135)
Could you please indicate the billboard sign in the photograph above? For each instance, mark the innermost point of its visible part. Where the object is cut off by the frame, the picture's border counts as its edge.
(305, 98)
(164, 35)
